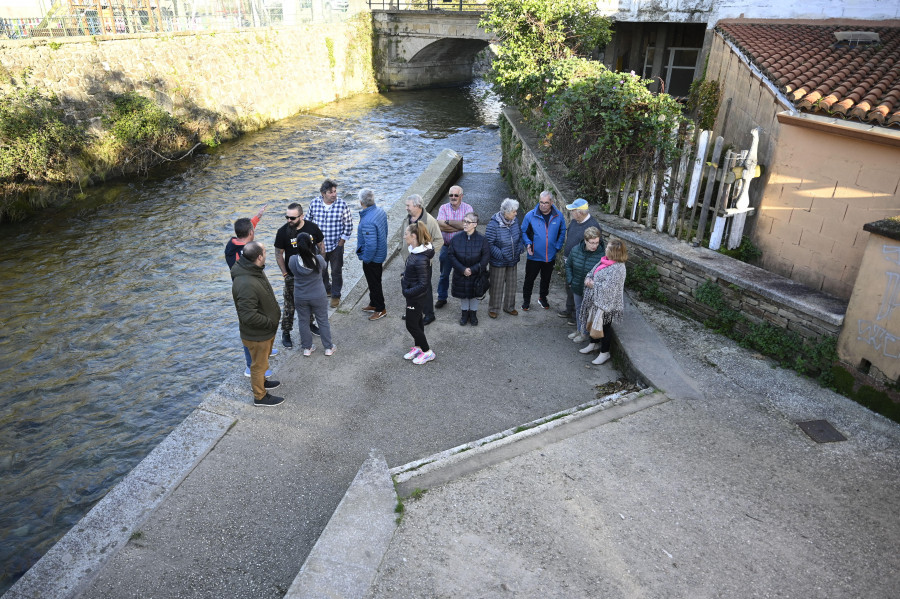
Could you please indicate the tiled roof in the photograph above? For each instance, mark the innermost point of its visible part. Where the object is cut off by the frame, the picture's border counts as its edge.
(819, 75)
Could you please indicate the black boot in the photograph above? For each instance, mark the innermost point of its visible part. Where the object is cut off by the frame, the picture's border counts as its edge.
(286, 340)
(464, 318)
(473, 318)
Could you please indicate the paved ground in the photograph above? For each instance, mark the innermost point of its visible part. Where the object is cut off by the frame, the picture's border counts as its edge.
(719, 497)
(242, 523)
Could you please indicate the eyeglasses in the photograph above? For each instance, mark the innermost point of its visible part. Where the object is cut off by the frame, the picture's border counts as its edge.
(470, 222)
(545, 203)
(291, 217)
(454, 195)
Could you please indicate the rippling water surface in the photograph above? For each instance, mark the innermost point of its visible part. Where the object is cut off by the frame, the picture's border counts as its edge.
(117, 318)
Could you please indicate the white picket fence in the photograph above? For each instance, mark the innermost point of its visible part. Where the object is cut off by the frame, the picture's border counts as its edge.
(702, 184)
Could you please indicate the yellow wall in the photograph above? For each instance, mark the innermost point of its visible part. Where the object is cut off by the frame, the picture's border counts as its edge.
(872, 326)
(822, 188)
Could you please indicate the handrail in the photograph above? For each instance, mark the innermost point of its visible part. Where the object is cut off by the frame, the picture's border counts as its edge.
(428, 5)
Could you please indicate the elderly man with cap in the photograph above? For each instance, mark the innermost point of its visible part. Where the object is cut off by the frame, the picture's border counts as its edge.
(580, 222)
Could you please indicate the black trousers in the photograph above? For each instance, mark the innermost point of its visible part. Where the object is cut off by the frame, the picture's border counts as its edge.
(605, 341)
(532, 268)
(372, 271)
(415, 321)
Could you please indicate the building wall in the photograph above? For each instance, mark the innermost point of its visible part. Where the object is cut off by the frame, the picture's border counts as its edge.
(250, 77)
(872, 333)
(822, 188)
(710, 11)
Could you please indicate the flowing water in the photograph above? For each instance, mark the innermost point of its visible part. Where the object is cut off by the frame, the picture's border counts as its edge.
(117, 316)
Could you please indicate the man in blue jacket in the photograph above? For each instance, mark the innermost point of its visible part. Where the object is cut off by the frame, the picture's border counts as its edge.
(371, 248)
(544, 232)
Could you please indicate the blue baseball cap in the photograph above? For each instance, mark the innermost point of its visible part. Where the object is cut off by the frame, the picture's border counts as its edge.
(579, 204)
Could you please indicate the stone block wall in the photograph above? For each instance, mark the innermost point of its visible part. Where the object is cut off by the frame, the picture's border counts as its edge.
(759, 295)
(244, 77)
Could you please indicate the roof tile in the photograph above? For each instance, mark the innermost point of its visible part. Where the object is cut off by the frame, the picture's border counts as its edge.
(820, 75)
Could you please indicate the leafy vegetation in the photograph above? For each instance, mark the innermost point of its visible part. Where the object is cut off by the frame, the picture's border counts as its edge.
(600, 123)
(703, 102)
(643, 277)
(786, 347)
(142, 133)
(37, 144)
(746, 252)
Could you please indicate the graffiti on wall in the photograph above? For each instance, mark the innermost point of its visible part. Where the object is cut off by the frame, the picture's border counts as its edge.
(874, 332)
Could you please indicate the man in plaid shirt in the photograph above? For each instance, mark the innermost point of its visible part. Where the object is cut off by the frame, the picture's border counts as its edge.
(332, 214)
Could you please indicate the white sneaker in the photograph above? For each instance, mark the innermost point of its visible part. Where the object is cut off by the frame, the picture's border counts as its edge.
(601, 358)
(579, 338)
(308, 352)
(412, 353)
(425, 357)
(573, 334)
(589, 348)
(330, 350)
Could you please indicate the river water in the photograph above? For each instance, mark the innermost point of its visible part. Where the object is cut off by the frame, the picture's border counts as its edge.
(117, 316)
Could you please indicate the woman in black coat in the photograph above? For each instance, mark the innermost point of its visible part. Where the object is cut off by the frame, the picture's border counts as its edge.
(414, 282)
(469, 255)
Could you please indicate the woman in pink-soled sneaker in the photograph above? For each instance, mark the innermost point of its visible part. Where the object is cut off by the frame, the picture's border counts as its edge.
(414, 282)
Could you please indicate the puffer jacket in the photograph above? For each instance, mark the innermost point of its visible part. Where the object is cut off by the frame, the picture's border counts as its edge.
(579, 263)
(371, 235)
(547, 239)
(505, 241)
(415, 280)
(257, 308)
(467, 251)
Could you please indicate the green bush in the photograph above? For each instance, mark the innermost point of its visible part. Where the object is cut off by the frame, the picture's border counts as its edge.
(536, 34)
(37, 144)
(703, 102)
(746, 252)
(643, 277)
(787, 347)
(135, 120)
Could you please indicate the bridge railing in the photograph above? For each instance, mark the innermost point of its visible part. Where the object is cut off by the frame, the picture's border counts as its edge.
(418, 5)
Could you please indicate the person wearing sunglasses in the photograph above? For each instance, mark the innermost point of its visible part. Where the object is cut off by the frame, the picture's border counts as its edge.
(285, 247)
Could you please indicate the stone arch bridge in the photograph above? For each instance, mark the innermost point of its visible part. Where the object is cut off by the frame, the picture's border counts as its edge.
(419, 49)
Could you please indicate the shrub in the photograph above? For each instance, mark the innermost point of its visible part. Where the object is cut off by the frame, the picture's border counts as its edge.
(141, 131)
(37, 144)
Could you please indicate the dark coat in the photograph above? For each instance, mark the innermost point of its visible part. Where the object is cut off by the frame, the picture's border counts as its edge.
(257, 308)
(467, 252)
(505, 241)
(579, 263)
(415, 279)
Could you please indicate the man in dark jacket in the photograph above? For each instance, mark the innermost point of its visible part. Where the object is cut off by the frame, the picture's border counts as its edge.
(258, 315)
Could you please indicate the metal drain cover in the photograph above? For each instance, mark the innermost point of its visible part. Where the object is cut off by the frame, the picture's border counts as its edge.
(821, 431)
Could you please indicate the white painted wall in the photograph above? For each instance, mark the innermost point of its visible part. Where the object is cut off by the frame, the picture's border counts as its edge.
(21, 9)
(711, 11)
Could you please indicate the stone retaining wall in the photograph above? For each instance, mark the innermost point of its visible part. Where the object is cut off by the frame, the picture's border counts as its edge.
(759, 295)
(218, 79)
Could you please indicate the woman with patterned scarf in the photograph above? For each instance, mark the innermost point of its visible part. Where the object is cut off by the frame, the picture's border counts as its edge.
(604, 299)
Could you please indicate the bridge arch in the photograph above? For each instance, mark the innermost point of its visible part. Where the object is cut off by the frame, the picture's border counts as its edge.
(422, 49)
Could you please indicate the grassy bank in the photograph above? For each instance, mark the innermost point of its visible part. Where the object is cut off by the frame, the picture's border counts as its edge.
(47, 159)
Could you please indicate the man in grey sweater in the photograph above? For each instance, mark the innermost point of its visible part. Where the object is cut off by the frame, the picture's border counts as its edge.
(580, 221)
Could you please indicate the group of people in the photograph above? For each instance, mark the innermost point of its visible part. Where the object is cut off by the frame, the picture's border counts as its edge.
(471, 265)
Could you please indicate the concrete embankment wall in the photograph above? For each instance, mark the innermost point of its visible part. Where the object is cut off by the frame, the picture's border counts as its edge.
(225, 81)
(759, 295)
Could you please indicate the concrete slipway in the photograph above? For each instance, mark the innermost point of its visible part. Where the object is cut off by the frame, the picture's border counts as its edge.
(701, 485)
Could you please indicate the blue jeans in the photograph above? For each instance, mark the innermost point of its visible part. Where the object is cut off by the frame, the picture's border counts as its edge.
(579, 325)
(446, 268)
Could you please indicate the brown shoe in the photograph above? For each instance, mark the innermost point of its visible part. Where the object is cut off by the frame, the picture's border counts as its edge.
(335, 301)
(492, 314)
(370, 308)
(512, 312)
(377, 315)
